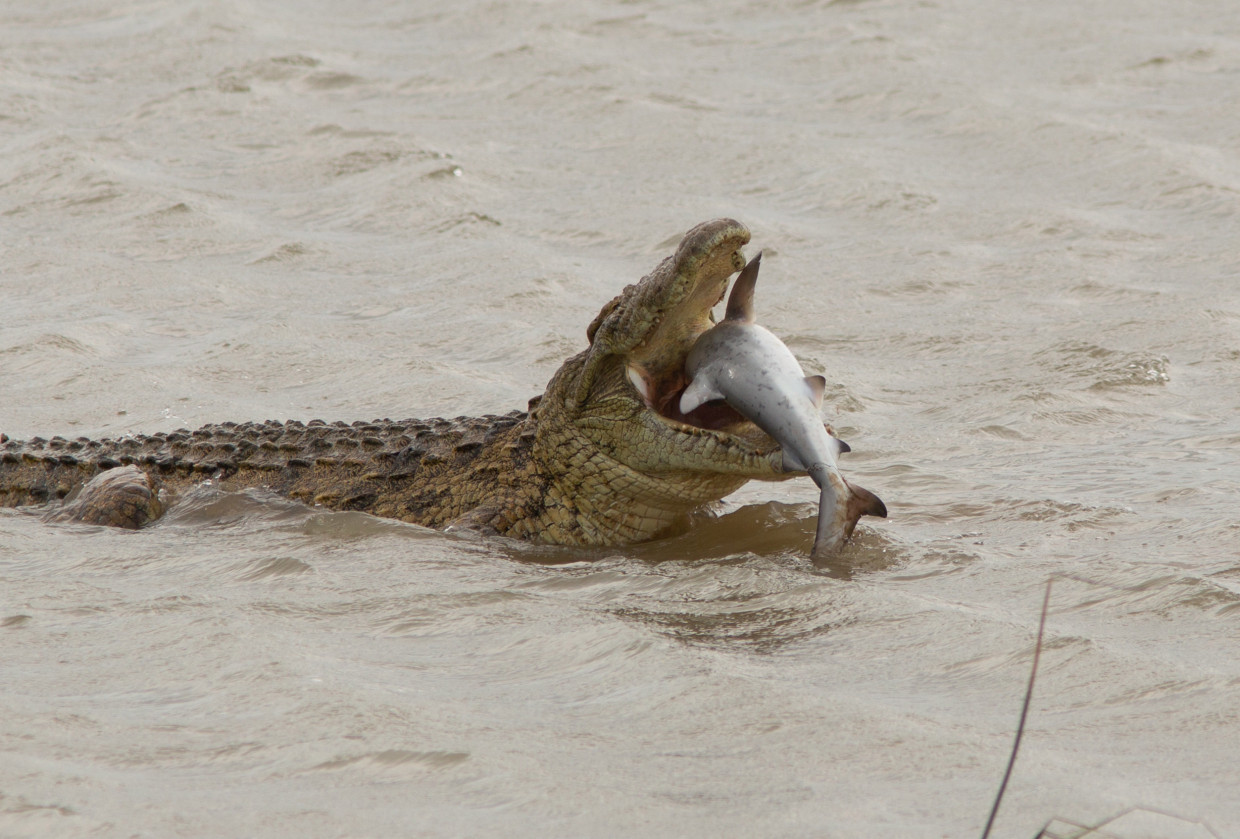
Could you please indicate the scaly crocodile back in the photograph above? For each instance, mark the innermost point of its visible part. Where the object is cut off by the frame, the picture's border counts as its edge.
(425, 471)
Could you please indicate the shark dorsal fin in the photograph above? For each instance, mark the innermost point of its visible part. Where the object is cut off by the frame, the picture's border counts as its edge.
(740, 301)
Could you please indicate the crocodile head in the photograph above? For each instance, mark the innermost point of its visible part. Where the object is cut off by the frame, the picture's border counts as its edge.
(609, 414)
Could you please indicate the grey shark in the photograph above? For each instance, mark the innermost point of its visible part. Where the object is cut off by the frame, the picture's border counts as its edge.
(756, 374)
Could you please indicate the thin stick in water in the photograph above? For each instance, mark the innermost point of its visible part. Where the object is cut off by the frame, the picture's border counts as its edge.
(1024, 712)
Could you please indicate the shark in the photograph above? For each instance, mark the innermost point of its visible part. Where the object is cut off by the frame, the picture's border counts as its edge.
(755, 373)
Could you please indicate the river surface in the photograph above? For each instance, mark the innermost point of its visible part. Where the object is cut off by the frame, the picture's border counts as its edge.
(1006, 233)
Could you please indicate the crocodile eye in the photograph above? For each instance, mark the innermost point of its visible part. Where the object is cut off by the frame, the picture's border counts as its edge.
(600, 317)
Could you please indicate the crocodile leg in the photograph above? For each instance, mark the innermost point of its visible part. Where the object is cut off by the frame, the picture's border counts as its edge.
(122, 497)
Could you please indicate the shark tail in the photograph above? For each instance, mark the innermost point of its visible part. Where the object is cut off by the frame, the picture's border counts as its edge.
(836, 520)
(862, 502)
(829, 536)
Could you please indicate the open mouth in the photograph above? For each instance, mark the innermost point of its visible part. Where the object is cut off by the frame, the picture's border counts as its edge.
(652, 326)
(657, 370)
(663, 397)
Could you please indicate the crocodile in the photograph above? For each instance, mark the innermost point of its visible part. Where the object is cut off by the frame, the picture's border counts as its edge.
(602, 457)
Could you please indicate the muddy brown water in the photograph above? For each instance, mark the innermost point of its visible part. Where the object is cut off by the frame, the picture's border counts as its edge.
(1007, 237)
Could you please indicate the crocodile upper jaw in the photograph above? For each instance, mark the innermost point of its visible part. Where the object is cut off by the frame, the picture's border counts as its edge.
(621, 394)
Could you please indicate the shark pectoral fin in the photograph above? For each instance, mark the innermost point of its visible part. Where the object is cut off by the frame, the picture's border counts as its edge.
(838, 446)
(699, 390)
(817, 389)
(740, 301)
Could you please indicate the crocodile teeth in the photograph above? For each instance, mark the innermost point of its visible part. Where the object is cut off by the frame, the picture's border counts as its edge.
(639, 382)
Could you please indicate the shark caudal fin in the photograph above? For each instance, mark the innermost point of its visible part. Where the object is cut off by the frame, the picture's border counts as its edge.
(836, 526)
(861, 502)
(740, 301)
